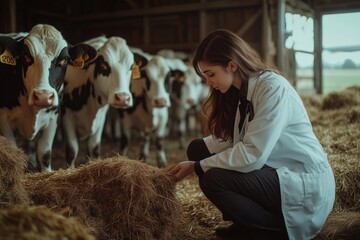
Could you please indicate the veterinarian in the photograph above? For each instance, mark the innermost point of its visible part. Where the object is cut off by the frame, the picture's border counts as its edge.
(262, 166)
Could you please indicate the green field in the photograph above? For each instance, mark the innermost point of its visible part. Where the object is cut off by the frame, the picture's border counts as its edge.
(333, 79)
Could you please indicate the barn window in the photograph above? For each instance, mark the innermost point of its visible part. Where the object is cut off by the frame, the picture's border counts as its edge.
(299, 43)
(341, 51)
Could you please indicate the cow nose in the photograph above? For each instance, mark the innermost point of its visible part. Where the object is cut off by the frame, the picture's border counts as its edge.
(160, 102)
(122, 100)
(43, 98)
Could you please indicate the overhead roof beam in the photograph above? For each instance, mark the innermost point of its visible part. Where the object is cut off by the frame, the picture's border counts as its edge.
(193, 7)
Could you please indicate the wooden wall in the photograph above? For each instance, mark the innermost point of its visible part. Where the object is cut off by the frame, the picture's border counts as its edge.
(174, 24)
(149, 24)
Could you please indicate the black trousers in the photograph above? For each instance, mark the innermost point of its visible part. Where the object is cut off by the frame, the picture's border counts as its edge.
(250, 200)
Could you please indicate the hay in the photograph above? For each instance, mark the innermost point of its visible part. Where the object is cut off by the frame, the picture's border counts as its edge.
(39, 223)
(337, 128)
(347, 176)
(199, 214)
(348, 97)
(116, 198)
(13, 162)
(342, 225)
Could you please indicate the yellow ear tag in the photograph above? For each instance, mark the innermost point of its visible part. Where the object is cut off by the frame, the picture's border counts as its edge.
(135, 71)
(85, 57)
(7, 58)
(79, 62)
(182, 79)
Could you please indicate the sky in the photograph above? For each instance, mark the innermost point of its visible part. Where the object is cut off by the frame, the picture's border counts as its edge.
(338, 30)
(341, 29)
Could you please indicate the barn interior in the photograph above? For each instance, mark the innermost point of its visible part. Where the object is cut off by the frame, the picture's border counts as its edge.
(179, 25)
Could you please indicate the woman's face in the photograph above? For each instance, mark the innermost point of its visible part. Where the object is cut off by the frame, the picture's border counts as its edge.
(217, 76)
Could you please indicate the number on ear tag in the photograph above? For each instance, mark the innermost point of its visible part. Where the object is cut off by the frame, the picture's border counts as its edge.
(7, 58)
(79, 62)
(135, 71)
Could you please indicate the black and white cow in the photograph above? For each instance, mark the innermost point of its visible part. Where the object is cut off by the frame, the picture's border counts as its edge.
(187, 93)
(150, 113)
(89, 92)
(32, 70)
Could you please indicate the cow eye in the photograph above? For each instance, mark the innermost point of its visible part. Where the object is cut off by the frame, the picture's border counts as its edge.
(28, 59)
(103, 66)
(62, 62)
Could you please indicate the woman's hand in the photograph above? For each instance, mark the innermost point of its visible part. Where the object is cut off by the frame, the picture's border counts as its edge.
(182, 170)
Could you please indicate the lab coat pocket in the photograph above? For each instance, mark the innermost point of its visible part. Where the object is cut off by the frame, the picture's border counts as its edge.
(318, 190)
(294, 191)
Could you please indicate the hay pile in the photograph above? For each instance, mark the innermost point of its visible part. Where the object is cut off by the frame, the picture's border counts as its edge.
(337, 125)
(341, 225)
(200, 216)
(22, 222)
(336, 122)
(12, 170)
(116, 198)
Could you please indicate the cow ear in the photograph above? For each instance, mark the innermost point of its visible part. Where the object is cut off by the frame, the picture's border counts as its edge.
(140, 60)
(178, 75)
(9, 50)
(139, 63)
(82, 55)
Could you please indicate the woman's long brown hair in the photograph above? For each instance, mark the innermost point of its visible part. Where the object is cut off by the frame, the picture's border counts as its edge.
(218, 48)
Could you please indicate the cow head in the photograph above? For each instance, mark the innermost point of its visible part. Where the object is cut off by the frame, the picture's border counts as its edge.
(158, 73)
(189, 89)
(44, 59)
(113, 72)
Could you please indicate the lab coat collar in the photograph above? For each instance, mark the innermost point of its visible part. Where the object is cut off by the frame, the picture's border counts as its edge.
(253, 81)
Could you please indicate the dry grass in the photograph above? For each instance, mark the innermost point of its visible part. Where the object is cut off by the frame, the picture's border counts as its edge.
(342, 225)
(22, 222)
(12, 169)
(117, 198)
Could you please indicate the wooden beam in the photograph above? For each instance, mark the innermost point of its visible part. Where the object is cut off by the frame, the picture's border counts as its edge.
(268, 49)
(12, 10)
(48, 14)
(153, 48)
(193, 7)
(146, 36)
(280, 33)
(318, 76)
(340, 7)
(132, 4)
(249, 23)
(343, 48)
(202, 22)
(296, 6)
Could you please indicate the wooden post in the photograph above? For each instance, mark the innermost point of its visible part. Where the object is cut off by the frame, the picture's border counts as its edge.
(281, 35)
(12, 10)
(202, 24)
(318, 68)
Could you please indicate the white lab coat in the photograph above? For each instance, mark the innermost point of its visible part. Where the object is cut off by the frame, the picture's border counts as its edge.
(280, 135)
